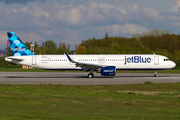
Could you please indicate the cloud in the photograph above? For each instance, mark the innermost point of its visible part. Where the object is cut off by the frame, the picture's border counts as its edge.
(175, 7)
(176, 24)
(123, 29)
(152, 14)
(75, 20)
(174, 18)
(38, 12)
(18, 1)
(133, 8)
(72, 16)
(3, 38)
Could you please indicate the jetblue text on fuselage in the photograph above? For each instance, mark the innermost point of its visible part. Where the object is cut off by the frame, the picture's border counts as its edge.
(137, 59)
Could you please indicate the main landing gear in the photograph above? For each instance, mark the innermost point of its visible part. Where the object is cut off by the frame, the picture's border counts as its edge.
(155, 74)
(90, 75)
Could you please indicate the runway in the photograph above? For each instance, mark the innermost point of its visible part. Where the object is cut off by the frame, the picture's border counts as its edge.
(81, 78)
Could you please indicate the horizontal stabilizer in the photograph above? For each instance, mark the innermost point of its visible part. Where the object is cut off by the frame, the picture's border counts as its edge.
(10, 59)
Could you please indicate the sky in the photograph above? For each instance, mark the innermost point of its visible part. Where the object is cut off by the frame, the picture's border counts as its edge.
(72, 21)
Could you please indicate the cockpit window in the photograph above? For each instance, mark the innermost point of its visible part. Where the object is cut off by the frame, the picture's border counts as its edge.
(166, 59)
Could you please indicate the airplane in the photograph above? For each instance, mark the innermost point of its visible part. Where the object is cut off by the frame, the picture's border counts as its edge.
(104, 64)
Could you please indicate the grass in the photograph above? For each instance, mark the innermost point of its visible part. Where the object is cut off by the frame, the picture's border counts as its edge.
(136, 101)
(118, 71)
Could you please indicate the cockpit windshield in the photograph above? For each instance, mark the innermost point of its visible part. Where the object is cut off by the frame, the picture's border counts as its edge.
(166, 59)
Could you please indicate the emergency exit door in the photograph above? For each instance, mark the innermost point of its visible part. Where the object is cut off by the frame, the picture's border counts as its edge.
(156, 60)
(34, 60)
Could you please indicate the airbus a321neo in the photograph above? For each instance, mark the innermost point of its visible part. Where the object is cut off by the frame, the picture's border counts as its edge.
(104, 64)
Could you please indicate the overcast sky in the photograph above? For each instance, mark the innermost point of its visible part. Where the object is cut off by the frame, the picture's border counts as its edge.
(72, 21)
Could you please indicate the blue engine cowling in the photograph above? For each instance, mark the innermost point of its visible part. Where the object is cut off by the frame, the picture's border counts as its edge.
(108, 70)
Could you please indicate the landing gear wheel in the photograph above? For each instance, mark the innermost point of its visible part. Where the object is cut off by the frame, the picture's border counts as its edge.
(90, 75)
(156, 75)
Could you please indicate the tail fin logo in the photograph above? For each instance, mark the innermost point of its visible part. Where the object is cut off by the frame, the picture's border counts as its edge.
(18, 48)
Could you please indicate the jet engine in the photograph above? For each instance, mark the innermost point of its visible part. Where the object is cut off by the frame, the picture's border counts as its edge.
(108, 70)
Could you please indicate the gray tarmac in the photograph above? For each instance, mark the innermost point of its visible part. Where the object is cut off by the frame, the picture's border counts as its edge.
(81, 78)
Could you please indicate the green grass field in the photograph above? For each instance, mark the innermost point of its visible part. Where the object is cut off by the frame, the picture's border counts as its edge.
(46, 102)
(118, 71)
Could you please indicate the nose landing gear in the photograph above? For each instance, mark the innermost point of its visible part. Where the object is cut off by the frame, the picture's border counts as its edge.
(156, 74)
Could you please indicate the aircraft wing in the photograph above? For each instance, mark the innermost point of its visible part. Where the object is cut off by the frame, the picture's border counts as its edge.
(85, 66)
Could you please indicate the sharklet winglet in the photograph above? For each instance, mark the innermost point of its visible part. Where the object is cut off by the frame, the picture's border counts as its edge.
(69, 58)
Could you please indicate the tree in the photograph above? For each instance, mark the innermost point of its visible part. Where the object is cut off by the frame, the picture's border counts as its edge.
(62, 49)
(9, 53)
(50, 47)
(37, 49)
(106, 36)
(27, 45)
(115, 47)
(81, 50)
(139, 45)
(137, 36)
(152, 32)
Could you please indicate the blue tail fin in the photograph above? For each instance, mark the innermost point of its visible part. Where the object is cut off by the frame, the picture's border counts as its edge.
(18, 48)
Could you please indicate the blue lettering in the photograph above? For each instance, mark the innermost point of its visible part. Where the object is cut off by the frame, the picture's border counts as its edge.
(137, 59)
(144, 60)
(149, 60)
(129, 60)
(132, 59)
(125, 60)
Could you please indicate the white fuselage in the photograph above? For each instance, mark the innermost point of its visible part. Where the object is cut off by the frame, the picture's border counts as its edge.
(122, 62)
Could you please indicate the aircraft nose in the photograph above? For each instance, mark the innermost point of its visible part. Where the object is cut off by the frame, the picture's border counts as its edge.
(173, 64)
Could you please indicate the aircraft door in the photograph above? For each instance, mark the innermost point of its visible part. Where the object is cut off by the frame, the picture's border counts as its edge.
(34, 60)
(156, 60)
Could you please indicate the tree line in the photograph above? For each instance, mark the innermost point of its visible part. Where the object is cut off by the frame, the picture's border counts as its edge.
(156, 41)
